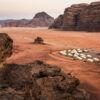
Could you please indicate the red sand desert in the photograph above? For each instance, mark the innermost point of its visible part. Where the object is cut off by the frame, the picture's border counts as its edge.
(25, 51)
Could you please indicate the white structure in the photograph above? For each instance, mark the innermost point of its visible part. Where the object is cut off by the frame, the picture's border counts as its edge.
(69, 54)
(69, 51)
(89, 56)
(83, 56)
(78, 58)
(85, 50)
(89, 60)
(63, 52)
(96, 59)
(73, 51)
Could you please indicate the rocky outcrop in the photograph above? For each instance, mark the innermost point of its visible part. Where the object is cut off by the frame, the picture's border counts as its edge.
(57, 22)
(10, 94)
(41, 19)
(38, 40)
(6, 45)
(80, 17)
(40, 81)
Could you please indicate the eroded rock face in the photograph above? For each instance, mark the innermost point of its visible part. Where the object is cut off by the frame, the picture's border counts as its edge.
(71, 16)
(90, 18)
(6, 45)
(80, 17)
(40, 81)
(57, 23)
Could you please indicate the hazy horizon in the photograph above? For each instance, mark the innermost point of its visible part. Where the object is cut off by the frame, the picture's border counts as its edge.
(20, 9)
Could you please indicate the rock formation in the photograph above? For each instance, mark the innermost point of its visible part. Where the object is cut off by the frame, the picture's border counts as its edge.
(18, 23)
(80, 17)
(41, 19)
(6, 45)
(10, 94)
(40, 81)
(57, 22)
(90, 18)
(38, 40)
(4, 21)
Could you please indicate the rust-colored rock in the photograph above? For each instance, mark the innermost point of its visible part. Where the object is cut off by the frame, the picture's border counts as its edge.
(71, 16)
(6, 45)
(90, 18)
(16, 23)
(7, 93)
(80, 17)
(41, 19)
(57, 22)
(40, 81)
(38, 40)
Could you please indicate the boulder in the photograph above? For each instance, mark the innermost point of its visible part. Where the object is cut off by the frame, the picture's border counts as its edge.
(40, 81)
(6, 45)
(38, 40)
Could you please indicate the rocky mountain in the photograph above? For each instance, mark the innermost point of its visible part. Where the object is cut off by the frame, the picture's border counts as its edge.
(79, 17)
(15, 23)
(41, 19)
(4, 21)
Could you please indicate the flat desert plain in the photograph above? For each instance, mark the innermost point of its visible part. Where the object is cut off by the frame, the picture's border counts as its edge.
(25, 51)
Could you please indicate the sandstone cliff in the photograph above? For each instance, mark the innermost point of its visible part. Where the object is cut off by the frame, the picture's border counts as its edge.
(80, 17)
(57, 22)
(90, 18)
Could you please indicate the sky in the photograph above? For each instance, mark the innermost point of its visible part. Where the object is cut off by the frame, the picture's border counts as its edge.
(19, 9)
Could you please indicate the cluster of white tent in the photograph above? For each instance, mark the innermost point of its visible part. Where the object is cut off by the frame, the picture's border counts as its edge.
(79, 54)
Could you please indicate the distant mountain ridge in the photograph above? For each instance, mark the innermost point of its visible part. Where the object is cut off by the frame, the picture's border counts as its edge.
(3, 21)
(41, 19)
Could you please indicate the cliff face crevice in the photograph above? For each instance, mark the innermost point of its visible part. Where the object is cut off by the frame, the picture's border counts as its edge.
(80, 17)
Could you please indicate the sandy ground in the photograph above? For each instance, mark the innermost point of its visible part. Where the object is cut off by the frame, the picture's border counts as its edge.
(25, 51)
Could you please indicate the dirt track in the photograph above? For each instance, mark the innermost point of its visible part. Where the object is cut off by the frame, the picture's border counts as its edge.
(24, 51)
